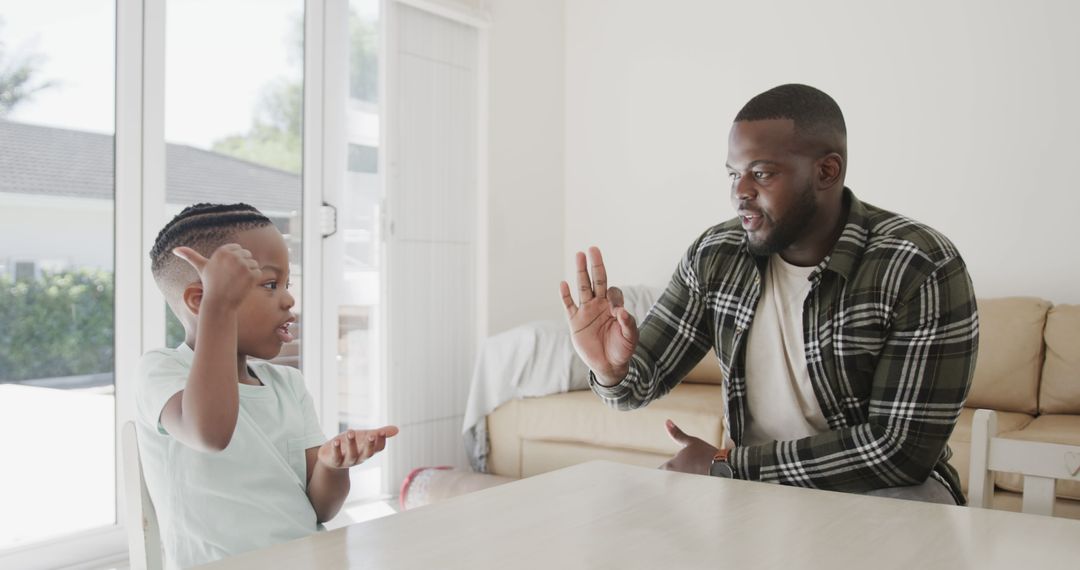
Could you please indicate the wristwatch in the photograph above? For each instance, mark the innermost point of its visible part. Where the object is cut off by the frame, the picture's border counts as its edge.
(720, 466)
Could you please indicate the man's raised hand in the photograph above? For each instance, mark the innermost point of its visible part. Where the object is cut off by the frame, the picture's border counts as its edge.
(227, 276)
(603, 331)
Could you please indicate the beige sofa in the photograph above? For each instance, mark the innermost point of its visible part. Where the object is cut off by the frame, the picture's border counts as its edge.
(1028, 371)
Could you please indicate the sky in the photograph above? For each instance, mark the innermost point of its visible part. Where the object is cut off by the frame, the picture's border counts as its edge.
(220, 55)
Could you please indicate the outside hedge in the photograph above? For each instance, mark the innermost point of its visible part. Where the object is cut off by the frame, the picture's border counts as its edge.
(60, 324)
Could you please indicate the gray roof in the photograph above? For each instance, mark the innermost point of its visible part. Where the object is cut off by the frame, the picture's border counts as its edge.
(61, 162)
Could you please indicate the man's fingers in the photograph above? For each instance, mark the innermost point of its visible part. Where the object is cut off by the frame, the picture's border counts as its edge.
(599, 273)
(191, 256)
(627, 325)
(676, 434)
(568, 301)
(585, 290)
(615, 298)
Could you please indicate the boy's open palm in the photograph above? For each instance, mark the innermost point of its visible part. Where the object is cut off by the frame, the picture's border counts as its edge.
(228, 275)
(355, 446)
(604, 333)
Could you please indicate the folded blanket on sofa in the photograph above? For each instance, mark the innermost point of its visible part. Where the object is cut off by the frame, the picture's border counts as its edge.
(531, 360)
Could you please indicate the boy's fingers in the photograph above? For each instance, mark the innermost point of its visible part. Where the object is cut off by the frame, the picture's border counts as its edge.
(388, 431)
(339, 456)
(191, 256)
(350, 449)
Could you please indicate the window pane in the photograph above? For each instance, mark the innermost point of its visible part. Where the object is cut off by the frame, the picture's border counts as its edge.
(57, 410)
(233, 117)
(359, 308)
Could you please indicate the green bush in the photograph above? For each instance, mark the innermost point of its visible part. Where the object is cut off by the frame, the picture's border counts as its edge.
(60, 324)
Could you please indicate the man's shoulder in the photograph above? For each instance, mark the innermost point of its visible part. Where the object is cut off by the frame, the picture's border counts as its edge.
(724, 237)
(893, 235)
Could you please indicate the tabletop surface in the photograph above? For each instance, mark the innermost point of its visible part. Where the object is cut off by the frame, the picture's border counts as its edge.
(607, 515)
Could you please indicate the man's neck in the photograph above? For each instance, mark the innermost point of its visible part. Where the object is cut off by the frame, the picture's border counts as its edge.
(824, 231)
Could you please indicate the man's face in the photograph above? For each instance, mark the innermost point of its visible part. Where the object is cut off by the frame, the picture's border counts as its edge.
(264, 315)
(772, 183)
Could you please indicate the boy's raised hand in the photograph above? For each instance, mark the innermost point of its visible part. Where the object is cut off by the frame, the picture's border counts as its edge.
(604, 333)
(227, 276)
(355, 446)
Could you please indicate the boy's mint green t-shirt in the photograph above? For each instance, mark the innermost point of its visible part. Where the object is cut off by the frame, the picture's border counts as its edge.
(249, 496)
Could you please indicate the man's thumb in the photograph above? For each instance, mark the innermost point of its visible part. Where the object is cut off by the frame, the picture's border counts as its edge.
(676, 434)
(191, 256)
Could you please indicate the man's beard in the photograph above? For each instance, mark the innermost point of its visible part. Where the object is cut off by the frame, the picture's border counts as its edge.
(790, 228)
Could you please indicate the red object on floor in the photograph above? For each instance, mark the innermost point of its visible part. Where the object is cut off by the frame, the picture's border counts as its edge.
(409, 479)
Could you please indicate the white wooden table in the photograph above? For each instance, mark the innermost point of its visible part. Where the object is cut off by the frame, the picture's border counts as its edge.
(607, 515)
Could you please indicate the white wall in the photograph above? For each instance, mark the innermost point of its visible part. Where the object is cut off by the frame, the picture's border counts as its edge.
(961, 114)
(72, 232)
(525, 174)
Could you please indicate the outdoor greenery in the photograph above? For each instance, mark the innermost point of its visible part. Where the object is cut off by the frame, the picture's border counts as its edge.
(60, 324)
(275, 138)
(17, 71)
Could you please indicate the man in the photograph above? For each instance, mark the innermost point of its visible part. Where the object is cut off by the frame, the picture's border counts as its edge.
(847, 334)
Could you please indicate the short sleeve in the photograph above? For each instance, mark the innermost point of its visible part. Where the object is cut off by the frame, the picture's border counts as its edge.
(313, 434)
(161, 375)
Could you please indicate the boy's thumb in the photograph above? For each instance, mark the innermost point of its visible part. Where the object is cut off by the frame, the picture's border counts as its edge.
(191, 256)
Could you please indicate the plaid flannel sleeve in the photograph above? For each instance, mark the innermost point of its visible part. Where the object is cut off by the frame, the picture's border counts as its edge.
(673, 338)
(919, 387)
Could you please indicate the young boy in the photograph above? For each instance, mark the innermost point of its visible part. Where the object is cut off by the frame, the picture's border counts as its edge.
(232, 451)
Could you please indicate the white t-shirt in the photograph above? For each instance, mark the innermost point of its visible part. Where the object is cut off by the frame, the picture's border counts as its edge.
(251, 495)
(780, 398)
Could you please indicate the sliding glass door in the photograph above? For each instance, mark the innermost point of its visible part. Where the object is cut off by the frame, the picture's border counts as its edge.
(57, 391)
(234, 96)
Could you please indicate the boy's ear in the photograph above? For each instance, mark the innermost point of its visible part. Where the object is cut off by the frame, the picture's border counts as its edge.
(192, 297)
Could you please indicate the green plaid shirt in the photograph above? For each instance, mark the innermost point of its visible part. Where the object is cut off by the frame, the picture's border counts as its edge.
(891, 332)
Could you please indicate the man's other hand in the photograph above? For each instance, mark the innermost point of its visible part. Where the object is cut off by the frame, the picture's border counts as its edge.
(695, 456)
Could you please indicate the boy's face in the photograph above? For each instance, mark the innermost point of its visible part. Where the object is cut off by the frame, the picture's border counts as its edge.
(264, 316)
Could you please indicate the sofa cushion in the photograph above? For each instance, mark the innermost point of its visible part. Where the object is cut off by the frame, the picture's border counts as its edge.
(707, 371)
(960, 441)
(1007, 421)
(1063, 429)
(1060, 389)
(542, 456)
(1010, 354)
(583, 417)
(1009, 501)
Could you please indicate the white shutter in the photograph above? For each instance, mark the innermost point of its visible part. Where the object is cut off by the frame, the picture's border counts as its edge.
(432, 196)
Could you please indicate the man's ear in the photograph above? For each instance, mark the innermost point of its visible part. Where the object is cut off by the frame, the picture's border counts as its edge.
(192, 297)
(830, 170)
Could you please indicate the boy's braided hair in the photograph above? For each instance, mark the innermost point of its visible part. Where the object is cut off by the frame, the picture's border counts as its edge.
(204, 228)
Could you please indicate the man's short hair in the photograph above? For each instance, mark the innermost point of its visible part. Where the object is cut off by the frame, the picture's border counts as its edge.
(816, 115)
(204, 228)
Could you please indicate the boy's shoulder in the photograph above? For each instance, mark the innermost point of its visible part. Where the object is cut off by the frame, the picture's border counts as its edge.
(155, 359)
(287, 377)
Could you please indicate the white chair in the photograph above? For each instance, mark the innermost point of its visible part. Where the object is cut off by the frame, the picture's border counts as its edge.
(144, 539)
(1040, 463)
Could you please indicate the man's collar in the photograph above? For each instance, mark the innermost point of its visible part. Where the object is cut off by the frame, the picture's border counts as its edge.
(849, 249)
